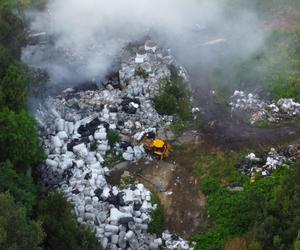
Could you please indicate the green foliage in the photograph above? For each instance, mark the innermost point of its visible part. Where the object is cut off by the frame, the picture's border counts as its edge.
(221, 167)
(178, 127)
(5, 58)
(61, 227)
(297, 245)
(126, 180)
(94, 145)
(209, 185)
(275, 66)
(213, 239)
(20, 186)
(14, 84)
(8, 5)
(165, 104)
(113, 137)
(17, 232)
(19, 141)
(13, 35)
(255, 245)
(266, 211)
(20, 149)
(173, 99)
(111, 157)
(157, 222)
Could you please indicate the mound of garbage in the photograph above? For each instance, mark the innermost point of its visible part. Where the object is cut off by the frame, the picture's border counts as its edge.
(260, 110)
(267, 163)
(75, 128)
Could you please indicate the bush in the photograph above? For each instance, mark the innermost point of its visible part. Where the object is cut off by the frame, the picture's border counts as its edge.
(178, 127)
(19, 141)
(156, 225)
(209, 185)
(173, 99)
(113, 137)
(60, 225)
(165, 104)
(212, 239)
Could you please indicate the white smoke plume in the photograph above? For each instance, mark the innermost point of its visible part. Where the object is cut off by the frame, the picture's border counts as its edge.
(88, 34)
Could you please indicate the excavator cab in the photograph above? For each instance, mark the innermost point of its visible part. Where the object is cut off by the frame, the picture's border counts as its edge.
(158, 148)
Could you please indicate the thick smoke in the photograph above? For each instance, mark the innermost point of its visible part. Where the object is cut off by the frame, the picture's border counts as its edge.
(87, 35)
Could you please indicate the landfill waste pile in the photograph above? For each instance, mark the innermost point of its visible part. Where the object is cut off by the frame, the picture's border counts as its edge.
(75, 128)
(266, 164)
(259, 110)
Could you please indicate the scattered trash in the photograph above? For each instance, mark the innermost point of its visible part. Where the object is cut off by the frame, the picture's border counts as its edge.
(266, 164)
(259, 110)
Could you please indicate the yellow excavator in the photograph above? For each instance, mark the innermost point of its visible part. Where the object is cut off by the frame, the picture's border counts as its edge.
(158, 148)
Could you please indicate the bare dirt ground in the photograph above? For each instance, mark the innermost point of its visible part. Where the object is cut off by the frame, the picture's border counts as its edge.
(180, 194)
(177, 186)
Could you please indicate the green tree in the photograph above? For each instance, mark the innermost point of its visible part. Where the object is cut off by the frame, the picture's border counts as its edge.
(19, 141)
(14, 87)
(63, 232)
(17, 232)
(20, 186)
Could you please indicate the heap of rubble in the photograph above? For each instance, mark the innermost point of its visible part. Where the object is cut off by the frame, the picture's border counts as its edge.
(72, 123)
(259, 110)
(173, 241)
(266, 164)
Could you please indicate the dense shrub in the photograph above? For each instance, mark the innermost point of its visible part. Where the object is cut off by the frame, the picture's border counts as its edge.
(209, 185)
(19, 141)
(20, 150)
(265, 213)
(165, 104)
(173, 98)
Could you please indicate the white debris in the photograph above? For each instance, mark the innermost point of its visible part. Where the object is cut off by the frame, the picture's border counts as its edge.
(259, 110)
(173, 241)
(81, 150)
(82, 118)
(267, 163)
